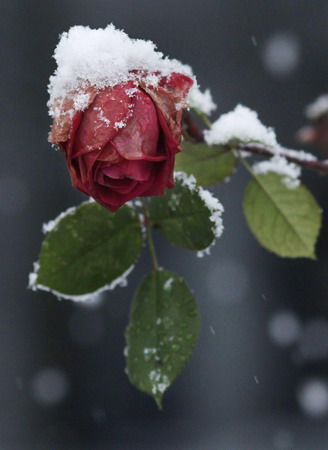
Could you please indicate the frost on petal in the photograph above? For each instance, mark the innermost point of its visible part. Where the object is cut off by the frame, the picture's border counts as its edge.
(170, 97)
(64, 111)
(202, 101)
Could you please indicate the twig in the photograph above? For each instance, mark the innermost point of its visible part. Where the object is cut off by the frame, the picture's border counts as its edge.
(196, 133)
(314, 164)
(192, 128)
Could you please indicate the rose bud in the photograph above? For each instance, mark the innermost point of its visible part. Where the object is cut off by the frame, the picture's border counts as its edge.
(123, 144)
(317, 132)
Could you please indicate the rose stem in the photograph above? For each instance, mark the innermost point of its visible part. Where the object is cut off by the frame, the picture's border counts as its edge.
(149, 236)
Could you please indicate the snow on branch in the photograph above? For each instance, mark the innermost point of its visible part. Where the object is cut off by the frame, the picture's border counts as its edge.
(242, 124)
(242, 130)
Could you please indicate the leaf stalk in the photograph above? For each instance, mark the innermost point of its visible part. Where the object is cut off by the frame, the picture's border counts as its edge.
(151, 245)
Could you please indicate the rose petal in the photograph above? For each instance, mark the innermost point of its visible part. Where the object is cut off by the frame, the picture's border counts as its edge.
(170, 98)
(135, 170)
(109, 154)
(62, 125)
(120, 186)
(138, 139)
(124, 144)
(99, 122)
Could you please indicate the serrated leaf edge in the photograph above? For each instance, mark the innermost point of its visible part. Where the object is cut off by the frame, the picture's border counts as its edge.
(51, 225)
(212, 204)
(85, 298)
(311, 252)
(164, 385)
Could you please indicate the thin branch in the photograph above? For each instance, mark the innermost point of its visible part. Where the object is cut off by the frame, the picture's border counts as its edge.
(314, 164)
(296, 156)
(192, 128)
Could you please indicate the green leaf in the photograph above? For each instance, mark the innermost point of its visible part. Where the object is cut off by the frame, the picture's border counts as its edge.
(183, 215)
(162, 332)
(285, 221)
(209, 165)
(88, 248)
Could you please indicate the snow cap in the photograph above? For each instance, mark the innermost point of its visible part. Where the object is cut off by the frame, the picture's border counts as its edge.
(98, 58)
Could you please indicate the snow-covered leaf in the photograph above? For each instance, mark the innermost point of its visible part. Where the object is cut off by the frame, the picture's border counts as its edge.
(88, 249)
(187, 215)
(208, 164)
(285, 221)
(162, 332)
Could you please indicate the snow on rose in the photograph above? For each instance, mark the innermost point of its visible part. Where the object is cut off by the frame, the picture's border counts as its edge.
(117, 119)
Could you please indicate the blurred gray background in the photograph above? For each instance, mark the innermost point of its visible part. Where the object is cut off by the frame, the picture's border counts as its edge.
(257, 380)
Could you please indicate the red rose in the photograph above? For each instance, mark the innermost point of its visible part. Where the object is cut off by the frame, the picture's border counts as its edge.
(123, 145)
